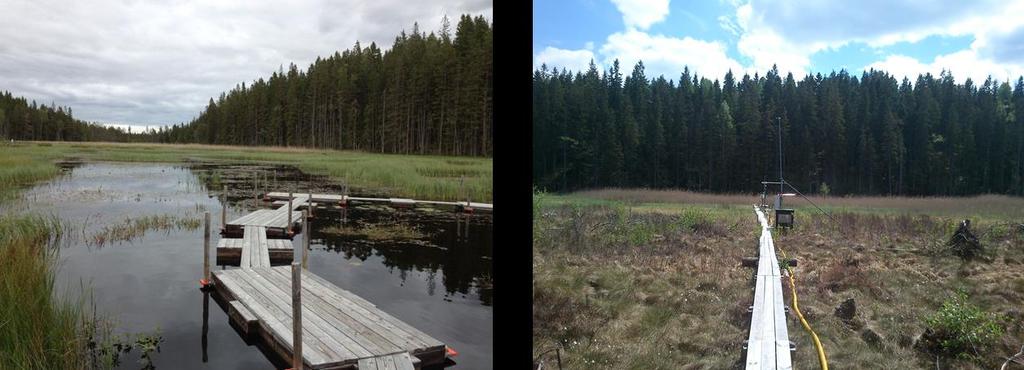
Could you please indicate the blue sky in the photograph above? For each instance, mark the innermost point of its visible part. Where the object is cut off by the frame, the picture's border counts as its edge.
(905, 38)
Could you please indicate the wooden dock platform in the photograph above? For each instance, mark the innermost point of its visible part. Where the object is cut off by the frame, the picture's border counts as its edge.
(339, 329)
(394, 202)
(274, 220)
(254, 249)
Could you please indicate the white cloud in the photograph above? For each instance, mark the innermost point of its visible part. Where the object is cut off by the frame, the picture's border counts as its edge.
(727, 24)
(962, 64)
(788, 33)
(160, 62)
(839, 21)
(642, 14)
(574, 60)
(663, 55)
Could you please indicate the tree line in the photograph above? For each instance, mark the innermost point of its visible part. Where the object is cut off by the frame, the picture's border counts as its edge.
(24, 120)
(428, 94)
(841, 134)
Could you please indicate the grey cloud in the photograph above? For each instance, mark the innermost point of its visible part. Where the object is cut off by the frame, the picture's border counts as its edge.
(1005, 47)
(153, 62)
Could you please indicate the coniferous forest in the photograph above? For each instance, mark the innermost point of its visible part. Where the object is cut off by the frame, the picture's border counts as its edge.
(428, 94)
(841, 134)
(24, 120)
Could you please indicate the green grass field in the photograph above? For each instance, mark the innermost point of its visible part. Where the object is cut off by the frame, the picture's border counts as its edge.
(420, 177)
(637, 279)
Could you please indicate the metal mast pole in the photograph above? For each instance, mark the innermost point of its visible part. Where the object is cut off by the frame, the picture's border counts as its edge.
(779, 120)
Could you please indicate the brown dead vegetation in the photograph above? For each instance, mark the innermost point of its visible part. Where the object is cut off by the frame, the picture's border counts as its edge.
(616, 288)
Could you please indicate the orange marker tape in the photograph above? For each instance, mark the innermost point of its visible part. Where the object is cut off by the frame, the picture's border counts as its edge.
(451, 352)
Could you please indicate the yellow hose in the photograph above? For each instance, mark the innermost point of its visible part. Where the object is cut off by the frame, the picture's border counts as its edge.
(796, 307)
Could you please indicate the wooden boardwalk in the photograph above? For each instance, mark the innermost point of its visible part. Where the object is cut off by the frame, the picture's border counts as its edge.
(274, 220)
(394, 202)
(339, 329)
(229, 251)
(768, 345)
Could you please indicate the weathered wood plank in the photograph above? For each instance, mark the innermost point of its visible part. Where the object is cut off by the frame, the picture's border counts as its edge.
(241, 316)
(323, 319)
(388, 326)
(314, 340)
(340, 317)
(768, 340)
(268, 316)
(338, 345)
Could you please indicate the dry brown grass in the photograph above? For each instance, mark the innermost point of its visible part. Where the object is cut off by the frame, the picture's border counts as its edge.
(989, 204)
(615, 288)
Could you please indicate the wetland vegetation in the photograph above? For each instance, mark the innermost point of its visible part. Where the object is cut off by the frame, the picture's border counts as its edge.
(643, 280)
(120, 202)
(413, 176)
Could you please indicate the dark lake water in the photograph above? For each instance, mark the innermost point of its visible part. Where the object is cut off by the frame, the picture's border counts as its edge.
(441, 285)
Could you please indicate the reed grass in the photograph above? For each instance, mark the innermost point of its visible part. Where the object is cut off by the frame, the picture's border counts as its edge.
(38, 330)
(414, 176)
(988, 205)
(133, 228)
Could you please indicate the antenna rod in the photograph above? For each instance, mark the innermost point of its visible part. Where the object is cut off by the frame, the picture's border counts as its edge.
(779, 120)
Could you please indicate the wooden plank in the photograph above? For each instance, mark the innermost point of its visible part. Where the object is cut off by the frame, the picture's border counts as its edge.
(768, 340)
(336, 344)
(261, 247)
(326, 322)
(272, 319)
(389, 321)
(369, 363)
(246, 260)
(313, 340)
(242, 316)
(394, 361)
(388, 326)
(403, 362)
(341, 317)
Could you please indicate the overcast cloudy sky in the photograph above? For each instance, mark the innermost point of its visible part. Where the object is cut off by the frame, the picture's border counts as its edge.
(159, 62)
(971, 38)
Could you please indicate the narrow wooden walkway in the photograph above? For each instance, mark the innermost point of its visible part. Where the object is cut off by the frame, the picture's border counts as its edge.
(394, 202)
(339, 329)
(768, 345)
(274, 220)
(254, 249)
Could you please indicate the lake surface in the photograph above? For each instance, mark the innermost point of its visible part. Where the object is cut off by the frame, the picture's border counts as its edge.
(441, 284)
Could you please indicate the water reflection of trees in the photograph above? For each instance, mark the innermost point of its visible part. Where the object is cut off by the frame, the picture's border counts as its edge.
(464, 263)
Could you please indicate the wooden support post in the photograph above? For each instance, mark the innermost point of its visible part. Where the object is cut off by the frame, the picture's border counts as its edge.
(309, 206)
(256, 185)
(289, 214)
(206, 248)
(462, 192)
(224, 209)
(296, 316)
(344, 204)
(305, 239)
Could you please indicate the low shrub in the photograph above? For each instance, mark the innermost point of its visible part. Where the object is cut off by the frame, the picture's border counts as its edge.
(961, 329)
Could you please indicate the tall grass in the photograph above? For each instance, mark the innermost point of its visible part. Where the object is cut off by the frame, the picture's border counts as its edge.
(133, 228)
(416, 176)
(988, 204)
(37, 329)
(19, 169)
